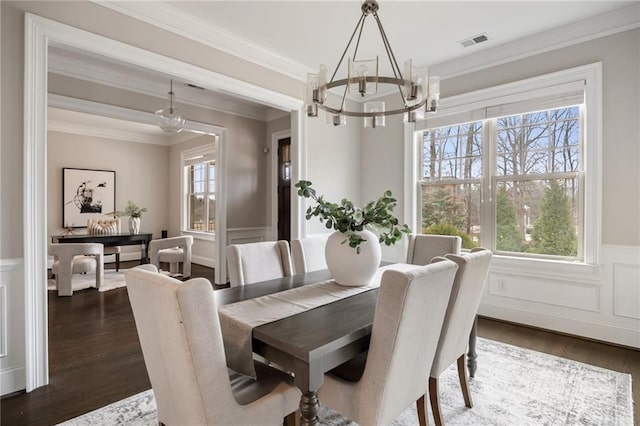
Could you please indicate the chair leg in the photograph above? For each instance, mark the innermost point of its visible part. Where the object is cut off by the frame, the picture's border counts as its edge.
(290, 419)
(435, 401)
(464, 382)
(421, 406)
(117, 262)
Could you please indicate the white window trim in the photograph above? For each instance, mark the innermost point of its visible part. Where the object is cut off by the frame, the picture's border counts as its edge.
(591, 74)
(208, 152)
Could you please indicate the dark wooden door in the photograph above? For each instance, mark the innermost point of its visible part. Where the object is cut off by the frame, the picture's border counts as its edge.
(284, 189)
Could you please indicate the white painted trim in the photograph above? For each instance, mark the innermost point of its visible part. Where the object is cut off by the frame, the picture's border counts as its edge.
(3, 324)
(12, 380)
(111, 133)
(98, 74)
(567, 35)
(627, 336)
(298, 170)
(11, 264)
(172, 19)
(39, 33)
(273, 188)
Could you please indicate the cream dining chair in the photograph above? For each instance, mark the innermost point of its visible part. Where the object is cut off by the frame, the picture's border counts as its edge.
(76, 258)
(458, 321)
(307, 254)
(406, 325)
(253, 262)
(182, 346)
(424, 247)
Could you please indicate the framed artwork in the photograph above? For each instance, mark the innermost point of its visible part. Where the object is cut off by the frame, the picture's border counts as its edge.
(87, 194)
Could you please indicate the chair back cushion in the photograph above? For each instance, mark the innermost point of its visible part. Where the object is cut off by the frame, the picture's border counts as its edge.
(307, 254)
(253, 262)
(423, 247)
(182, 345)
(462, 308)
(409, 314)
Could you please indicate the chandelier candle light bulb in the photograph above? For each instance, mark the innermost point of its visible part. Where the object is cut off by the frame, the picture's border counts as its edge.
(419, 93)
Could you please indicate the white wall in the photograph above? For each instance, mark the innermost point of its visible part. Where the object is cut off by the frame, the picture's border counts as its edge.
(141, 176)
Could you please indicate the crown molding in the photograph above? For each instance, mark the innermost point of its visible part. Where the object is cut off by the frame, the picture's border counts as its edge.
(592, 28)
(119, 113)
(98, 74)
(107, 133)
(172, 19)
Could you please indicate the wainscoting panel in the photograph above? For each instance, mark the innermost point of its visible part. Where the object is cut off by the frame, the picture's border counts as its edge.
(247, 235)
(626, 290)
(561, 293)
(3, 321)
(12, 355)
(602, 303)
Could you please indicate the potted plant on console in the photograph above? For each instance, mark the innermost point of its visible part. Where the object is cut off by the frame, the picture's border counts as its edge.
(353, 251)
(134, 212)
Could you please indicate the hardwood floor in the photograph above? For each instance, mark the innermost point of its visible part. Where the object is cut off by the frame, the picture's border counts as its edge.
(95, 356)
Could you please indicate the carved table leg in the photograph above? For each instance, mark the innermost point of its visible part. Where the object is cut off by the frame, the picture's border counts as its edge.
(309, 407)
(472, 355)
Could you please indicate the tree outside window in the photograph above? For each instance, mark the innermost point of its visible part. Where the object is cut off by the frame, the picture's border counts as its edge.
(533, 182)
(201, 196)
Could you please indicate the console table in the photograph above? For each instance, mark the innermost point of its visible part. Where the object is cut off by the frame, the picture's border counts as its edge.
(111, 241)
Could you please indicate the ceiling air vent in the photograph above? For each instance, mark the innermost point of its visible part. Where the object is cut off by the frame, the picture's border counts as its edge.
(474, 40)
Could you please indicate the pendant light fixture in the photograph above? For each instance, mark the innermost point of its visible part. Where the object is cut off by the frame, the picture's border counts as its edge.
(419, 93)
(168, 118)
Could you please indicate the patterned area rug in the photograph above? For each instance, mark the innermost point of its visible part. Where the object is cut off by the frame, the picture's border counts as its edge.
(513, 386)
(112, 280)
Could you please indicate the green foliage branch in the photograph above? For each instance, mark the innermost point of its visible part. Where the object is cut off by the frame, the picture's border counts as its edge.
(131, 210)
(349, 219)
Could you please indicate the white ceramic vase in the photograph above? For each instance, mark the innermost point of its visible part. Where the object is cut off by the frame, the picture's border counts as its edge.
(347, 266)
(134, 225)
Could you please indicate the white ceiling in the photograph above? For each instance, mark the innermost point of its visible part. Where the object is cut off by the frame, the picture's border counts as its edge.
(310, 33)
(296, 36)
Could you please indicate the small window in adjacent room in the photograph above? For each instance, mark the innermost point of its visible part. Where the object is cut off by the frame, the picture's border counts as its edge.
(200, 190)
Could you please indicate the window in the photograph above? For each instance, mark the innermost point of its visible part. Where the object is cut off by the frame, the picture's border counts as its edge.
(509, 173)
(200, 194)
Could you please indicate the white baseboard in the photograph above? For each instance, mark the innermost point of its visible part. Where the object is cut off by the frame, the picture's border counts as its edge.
(604, 332)
(12, 380)
(204, 261)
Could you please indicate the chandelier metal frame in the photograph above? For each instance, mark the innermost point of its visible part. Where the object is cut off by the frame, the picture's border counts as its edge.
(412, 87)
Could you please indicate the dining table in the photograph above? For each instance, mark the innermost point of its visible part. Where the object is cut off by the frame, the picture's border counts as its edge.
(313, 341)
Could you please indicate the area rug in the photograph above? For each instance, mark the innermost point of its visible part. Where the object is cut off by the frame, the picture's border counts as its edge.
(513, 386)
(111, 280)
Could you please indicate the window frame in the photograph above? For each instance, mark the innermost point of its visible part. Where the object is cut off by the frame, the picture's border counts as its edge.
(471, 107)
(206, 154)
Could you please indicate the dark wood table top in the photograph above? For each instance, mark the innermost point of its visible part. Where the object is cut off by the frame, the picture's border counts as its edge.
(112, 239)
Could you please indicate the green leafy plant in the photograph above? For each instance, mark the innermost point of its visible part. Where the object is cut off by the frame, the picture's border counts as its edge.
(349, 219)
(131, 210)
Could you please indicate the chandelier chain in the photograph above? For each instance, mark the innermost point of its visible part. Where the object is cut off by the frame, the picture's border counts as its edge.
(392, 58)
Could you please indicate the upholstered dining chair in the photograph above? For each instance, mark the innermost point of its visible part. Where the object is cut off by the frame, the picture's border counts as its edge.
(406, 325)
(76, 258)
(253, 262)
(458, 321)
(424, 247)
(174, 250)
(182, 346)
(307, 254)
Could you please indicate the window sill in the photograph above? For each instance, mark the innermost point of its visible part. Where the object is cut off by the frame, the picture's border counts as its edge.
(203, 236)
(546, 268)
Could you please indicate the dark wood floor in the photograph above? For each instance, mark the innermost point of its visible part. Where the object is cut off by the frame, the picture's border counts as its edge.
(95, 357)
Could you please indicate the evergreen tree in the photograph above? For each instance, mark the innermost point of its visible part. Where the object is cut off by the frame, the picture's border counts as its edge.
(441, 207)
(508, 236)
(554, 231)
